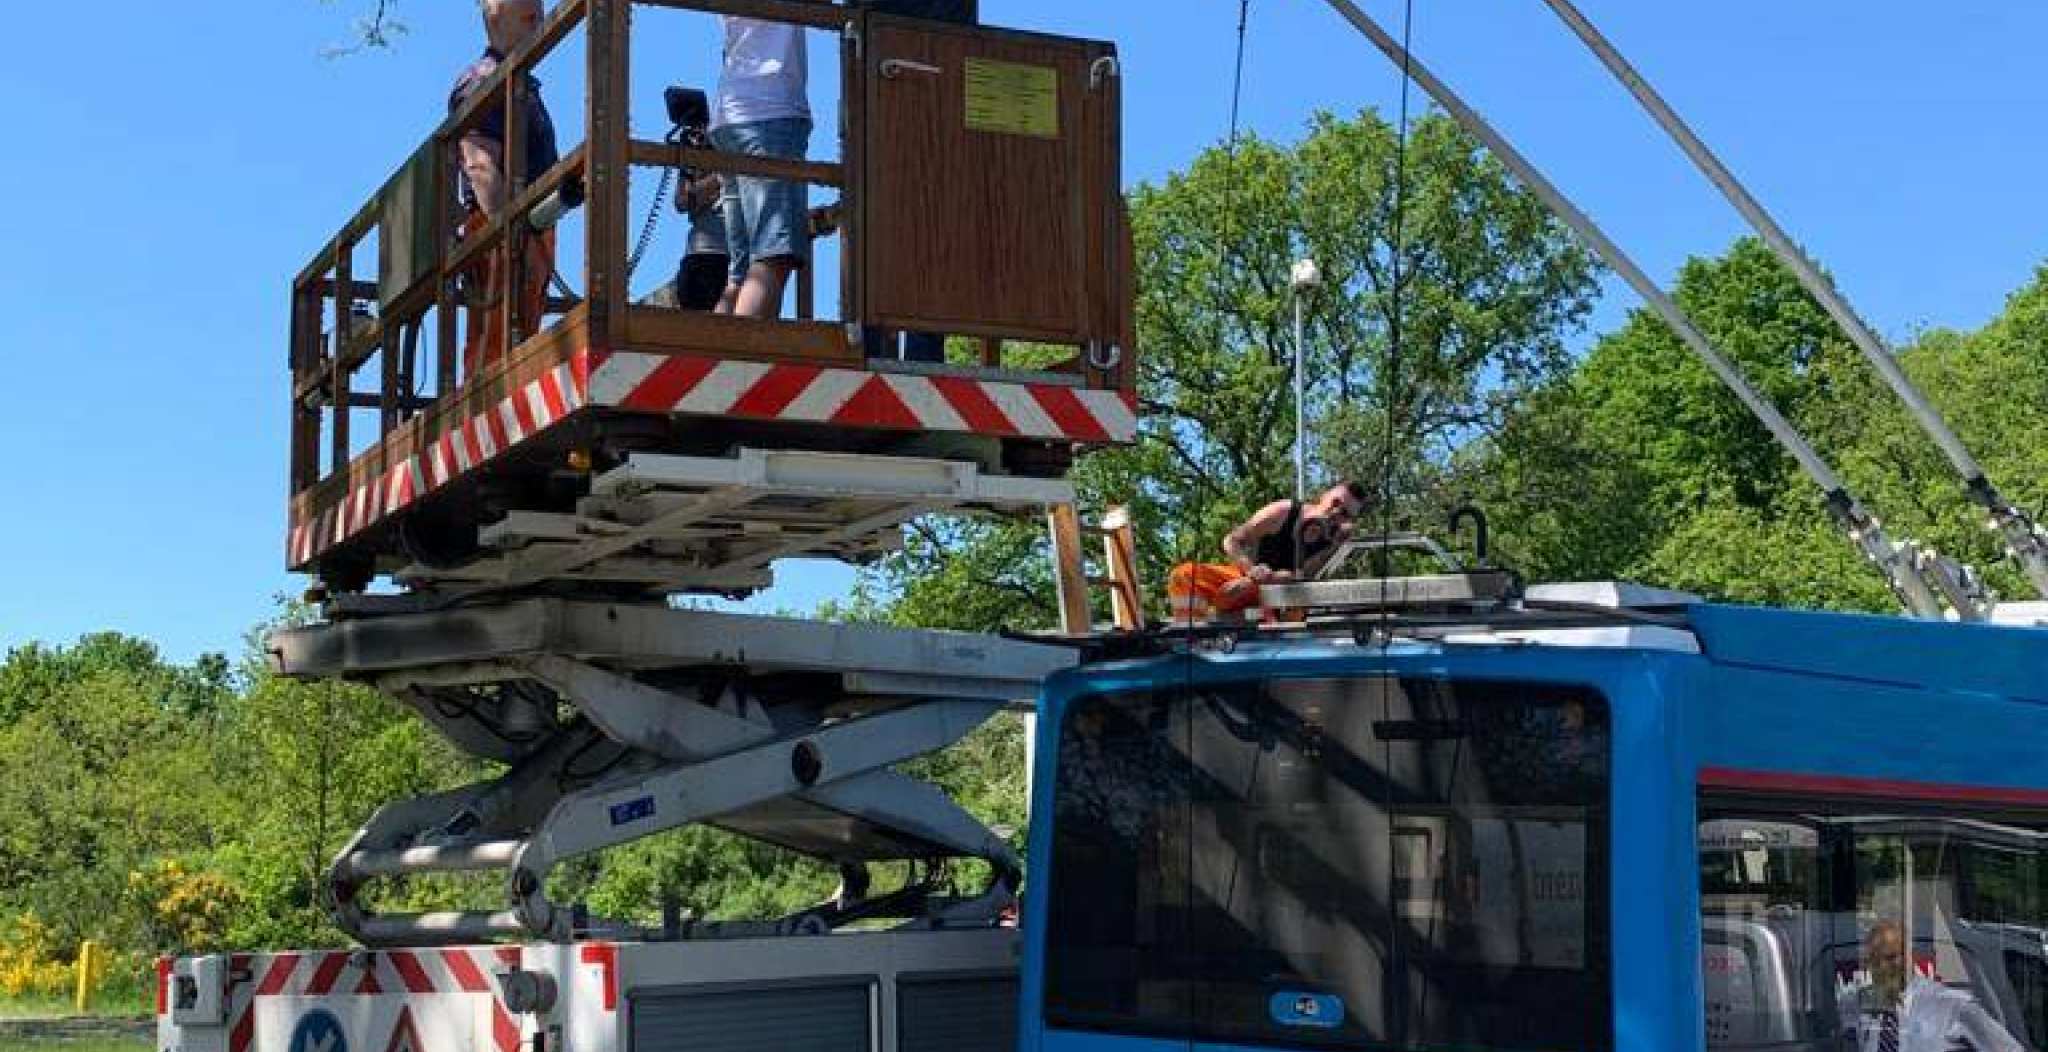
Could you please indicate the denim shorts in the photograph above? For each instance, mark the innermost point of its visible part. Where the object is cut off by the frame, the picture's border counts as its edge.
(766, 218)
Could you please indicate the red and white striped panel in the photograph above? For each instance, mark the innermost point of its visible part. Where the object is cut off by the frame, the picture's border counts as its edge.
(815, 394)
(531, 409)
(407, 974)
(701, 386)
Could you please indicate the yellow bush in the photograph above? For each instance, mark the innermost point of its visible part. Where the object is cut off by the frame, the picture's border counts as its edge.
(185, 911)
(29, 961)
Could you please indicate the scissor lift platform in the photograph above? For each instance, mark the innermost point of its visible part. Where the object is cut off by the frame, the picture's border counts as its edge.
(659, 525)
(616, 721)
(665, 524)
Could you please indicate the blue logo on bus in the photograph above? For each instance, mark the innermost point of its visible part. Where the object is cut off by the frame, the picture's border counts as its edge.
(319, 1031)
(1299, 1008)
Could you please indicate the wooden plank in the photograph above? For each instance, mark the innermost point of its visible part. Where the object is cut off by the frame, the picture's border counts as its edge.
(445, 309)
(1120, 560)
(663, 155)
(853, 105)
(351, 231)
(816, 14)
(609, 129)
(482, 393)
(1069, 575)
(664, 330)
(344, 332)
(305, 361)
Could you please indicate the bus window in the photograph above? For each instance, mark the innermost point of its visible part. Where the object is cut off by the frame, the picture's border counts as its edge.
(1341, 863)
(1826, 928)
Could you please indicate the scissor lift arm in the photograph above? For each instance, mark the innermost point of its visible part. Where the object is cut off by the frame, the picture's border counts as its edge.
(622, 720)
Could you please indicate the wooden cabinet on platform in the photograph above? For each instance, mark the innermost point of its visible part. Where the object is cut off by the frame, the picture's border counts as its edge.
(990, 184)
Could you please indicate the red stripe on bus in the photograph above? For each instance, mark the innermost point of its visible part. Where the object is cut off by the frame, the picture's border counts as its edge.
(163, 985)
(1878, 788)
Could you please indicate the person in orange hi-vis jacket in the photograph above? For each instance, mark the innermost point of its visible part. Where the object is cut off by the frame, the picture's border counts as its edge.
(1284, 541)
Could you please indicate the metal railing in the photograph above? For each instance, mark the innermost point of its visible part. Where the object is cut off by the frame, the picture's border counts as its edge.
(344, 319)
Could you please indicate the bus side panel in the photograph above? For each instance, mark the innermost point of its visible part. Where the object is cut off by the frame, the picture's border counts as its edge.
(1658, 999)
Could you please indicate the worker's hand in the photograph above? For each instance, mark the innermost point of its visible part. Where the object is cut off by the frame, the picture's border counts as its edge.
(1241, 594)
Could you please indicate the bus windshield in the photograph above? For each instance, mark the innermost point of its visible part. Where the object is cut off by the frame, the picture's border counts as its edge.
(1339, 862)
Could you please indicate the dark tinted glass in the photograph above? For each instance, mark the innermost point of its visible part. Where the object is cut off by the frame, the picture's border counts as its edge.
(1334, 862)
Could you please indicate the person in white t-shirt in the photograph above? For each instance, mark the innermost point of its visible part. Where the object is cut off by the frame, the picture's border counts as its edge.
(763, 110)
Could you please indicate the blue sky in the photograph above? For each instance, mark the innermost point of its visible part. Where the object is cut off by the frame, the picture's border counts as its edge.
(175, 163)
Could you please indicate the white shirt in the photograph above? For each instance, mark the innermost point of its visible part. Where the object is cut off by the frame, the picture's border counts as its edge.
(1932, 1018)
(767, 73)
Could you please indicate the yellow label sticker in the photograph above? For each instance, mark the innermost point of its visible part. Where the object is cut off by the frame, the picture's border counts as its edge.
(1013, 99)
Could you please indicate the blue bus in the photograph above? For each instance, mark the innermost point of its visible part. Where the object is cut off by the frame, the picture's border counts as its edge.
(1671, 835)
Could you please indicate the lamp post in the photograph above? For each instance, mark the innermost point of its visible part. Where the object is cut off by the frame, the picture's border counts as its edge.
(1303, 282)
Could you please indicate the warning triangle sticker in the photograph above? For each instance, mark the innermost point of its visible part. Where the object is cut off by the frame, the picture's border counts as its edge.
(404, 1036)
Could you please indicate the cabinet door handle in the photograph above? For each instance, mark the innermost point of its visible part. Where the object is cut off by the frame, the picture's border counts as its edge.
(896, 67)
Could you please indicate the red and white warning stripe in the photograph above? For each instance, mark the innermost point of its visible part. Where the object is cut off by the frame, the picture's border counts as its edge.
(722, 387)
(404, 973)
(816, 394)
(531, 409)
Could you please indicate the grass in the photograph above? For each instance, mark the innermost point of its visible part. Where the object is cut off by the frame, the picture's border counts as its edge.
(82, 1044)
(111, 1002)
(34, 1006)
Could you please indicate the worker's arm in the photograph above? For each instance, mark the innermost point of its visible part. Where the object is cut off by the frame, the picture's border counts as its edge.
(483, 164)
(1241, 545)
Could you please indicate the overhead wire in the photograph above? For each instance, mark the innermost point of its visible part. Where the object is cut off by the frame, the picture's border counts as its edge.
(1398, 239)
(1391, 370)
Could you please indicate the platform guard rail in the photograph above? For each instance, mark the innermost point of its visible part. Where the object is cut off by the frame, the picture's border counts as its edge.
(913, 258)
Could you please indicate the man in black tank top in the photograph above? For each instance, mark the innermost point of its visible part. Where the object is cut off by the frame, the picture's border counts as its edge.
(1284, 541)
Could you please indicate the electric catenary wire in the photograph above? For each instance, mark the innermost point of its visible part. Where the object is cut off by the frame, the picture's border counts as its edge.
(1398, 238)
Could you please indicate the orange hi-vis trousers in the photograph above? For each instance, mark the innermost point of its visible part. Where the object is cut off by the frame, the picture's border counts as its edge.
(1200, 591)
(484, 344)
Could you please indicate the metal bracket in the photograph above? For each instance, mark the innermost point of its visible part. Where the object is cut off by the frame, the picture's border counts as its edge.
(1102, 69)
(894, 68)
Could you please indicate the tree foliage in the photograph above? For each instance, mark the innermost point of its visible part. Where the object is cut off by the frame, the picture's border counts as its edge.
(1490, 288)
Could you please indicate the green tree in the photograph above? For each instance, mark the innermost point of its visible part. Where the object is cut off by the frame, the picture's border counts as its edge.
(1490, 287)
(1639, 464)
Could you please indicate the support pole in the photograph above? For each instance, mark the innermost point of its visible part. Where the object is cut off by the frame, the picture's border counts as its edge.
(1070, 576)
(2024, 539)
(1897, 562)
(1304, 280)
